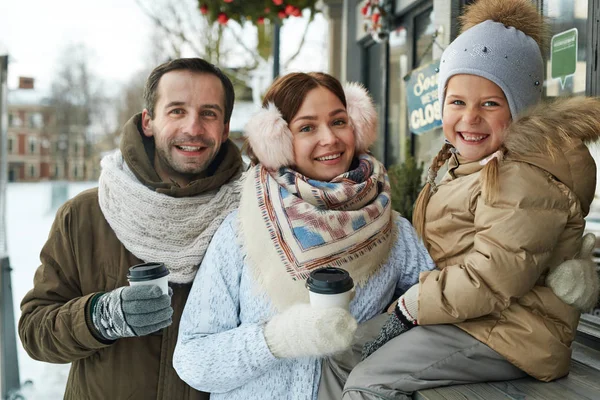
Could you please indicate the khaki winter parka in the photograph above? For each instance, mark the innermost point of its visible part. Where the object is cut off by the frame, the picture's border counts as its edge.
(83, 257)
(493, 258)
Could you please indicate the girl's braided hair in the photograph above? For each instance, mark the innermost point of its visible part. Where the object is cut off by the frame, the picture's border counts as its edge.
(430, 187)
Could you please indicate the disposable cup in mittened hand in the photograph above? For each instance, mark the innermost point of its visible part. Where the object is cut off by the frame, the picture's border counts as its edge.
(330, 287)
(151, 273)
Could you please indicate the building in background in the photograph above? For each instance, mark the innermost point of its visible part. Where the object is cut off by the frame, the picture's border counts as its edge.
(37, 148)
(417, 32)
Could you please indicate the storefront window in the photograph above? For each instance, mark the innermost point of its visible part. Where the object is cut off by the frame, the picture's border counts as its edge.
(397, 112)
(568, 55)
(426, 145)
(374, 82)
(566, 58)
(424, 34)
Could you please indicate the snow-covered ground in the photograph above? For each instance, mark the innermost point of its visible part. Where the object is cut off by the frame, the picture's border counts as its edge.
(30, 209)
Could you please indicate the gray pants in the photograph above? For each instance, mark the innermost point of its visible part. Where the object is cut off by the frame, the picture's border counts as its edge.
(424, 357)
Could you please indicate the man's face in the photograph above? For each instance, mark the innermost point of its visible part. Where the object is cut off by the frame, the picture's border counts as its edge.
(188, 124)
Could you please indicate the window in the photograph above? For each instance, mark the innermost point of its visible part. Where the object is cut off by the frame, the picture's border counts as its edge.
(426, 144)
(397, 113)
(11, 144)
(567, 17)
(14, 120)
(57, 171)
(36, 120)
(32, 145)
(32, 171)
(570, 18)
(77, 171)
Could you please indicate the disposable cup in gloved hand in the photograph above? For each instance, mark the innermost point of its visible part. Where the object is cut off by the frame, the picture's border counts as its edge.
(151, 273)
(330, 287)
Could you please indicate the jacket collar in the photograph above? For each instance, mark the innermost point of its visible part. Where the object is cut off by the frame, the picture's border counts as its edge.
(458, 166)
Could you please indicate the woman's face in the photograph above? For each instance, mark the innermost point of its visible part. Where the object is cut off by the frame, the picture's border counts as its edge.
(476, 113)
(322, 136)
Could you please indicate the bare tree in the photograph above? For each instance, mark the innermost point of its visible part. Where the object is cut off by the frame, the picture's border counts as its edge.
(240, 47)
(131, 100)
(78, 101)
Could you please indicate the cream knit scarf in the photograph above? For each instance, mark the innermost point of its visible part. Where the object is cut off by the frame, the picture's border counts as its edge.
(157, 227)
(292, 225)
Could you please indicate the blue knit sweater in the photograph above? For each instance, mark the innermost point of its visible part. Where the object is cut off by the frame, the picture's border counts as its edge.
(221, 347)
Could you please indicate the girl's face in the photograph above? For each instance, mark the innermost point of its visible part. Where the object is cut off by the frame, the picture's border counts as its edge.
(322, 136)
(476, 113)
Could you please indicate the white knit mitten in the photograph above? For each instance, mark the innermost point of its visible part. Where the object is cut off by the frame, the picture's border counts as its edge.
(302, 331)
(576, 281)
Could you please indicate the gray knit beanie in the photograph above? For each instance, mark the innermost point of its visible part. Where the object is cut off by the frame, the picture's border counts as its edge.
(502, 54)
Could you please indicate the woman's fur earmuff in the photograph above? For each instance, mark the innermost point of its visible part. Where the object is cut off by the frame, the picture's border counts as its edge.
(363, 115)
(271, 139)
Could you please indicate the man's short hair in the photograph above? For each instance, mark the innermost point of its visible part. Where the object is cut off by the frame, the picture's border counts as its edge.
(188, 64)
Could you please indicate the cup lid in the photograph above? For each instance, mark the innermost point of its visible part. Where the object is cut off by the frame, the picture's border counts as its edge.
(147, 271)
(329, 280)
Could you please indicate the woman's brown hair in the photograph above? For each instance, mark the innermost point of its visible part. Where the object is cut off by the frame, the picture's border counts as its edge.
(288, 92)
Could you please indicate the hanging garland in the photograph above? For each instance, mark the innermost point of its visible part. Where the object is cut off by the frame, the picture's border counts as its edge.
(376, 19)
(256, 11)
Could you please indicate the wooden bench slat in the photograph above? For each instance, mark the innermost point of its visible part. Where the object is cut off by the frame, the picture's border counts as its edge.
(429, 394)
(582, 380)
(582, 383)
(480, 391)
(446, 393)
(531, 389)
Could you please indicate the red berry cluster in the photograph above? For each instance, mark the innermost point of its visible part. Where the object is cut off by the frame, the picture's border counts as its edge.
(372, 13)
(284, 9)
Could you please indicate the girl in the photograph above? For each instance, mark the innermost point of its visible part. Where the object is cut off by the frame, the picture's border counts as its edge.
(510, 208)
(315, 199)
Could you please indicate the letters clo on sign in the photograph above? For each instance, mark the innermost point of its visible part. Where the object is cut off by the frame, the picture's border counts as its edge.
(425, 115)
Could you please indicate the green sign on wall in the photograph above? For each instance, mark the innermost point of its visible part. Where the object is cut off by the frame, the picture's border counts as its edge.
(563, 50)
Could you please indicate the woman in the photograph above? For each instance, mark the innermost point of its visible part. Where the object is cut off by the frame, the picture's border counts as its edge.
(314, 198)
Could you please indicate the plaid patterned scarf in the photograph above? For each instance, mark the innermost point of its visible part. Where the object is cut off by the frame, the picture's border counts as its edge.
(291, 225)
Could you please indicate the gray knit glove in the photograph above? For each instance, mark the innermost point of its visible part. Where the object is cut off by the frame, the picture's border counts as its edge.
(132, 311)
(395, 325)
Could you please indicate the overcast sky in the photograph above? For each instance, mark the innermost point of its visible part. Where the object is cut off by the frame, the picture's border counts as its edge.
(33, 33)
(118, 33)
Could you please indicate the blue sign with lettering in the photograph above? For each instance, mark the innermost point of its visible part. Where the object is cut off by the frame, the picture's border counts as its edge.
(422, 98)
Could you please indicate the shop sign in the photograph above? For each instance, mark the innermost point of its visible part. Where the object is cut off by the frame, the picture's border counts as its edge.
(563, 55)
(422, 98)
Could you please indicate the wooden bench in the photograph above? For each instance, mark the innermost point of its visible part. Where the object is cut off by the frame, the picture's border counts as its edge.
(582, 383)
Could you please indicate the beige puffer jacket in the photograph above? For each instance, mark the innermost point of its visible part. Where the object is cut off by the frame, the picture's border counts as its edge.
(493, 258)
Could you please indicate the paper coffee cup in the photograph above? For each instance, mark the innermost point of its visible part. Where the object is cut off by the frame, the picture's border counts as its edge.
(330, 287)
(152, 273)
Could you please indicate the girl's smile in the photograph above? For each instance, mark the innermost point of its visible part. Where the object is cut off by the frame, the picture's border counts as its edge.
(475, 115)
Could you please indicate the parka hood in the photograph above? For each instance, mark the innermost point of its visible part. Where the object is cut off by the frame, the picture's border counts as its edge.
(553, 136)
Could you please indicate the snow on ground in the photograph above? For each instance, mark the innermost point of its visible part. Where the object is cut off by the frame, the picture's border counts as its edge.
(30, 209)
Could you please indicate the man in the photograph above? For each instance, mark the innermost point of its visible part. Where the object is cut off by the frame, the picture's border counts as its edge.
(160, 199)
